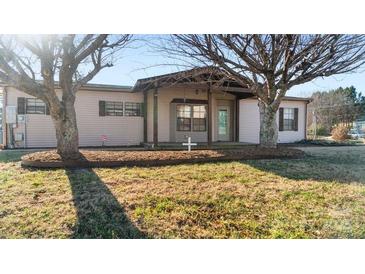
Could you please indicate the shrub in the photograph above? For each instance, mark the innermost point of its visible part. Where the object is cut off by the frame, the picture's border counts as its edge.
(340, 133)
(321, 130)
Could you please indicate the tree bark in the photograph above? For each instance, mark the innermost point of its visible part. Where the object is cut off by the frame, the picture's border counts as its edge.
(67, 132)
(268, 126)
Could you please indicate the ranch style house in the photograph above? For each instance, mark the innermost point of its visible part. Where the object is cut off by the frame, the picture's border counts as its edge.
(163, 109)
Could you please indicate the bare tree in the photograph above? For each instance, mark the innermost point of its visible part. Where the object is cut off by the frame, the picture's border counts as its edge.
(337, 106)
(271, 64)
(33, 64)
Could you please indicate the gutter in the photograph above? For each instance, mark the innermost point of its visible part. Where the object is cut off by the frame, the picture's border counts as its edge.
(5, 129)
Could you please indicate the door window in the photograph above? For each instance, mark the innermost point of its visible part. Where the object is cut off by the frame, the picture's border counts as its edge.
(222, 122)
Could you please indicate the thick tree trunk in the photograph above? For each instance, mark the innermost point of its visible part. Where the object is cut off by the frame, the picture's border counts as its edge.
(67, 133)
(268, 126)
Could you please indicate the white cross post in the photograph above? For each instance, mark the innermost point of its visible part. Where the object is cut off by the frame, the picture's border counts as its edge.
(189, 144)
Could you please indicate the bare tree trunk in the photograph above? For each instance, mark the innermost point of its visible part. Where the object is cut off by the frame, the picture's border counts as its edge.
(67, 133)
(268, 126)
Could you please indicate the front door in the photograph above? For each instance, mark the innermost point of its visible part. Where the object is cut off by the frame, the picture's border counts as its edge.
(224, 123)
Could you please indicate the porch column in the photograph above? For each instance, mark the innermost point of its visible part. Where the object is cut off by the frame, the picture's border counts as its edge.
(210, 115)
(145, 96)
(237, 119)
(155, 116)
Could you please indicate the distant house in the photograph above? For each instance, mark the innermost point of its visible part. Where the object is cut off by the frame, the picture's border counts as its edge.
(162, 109)
(359, 124)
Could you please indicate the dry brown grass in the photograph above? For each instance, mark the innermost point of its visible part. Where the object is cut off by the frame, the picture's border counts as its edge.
(319, 196)
(340, 133)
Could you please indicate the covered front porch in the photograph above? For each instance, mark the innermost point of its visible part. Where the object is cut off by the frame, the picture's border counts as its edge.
(198, 104)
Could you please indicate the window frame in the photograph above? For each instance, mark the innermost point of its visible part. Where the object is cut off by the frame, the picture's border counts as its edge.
(193, 124)
(138, 110)
(183, 118)
(200, 119)
(114, 112)
(286, 125)
(37, 104)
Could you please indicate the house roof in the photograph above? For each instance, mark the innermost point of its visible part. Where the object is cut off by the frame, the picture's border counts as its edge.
(286, 98)
(102, 87)
(199, 75)
(97, 87)
(293, 98)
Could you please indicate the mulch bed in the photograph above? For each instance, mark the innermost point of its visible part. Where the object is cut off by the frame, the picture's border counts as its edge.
(99, 158)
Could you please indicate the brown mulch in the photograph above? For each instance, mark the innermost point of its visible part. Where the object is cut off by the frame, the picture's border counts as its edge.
(100, 158)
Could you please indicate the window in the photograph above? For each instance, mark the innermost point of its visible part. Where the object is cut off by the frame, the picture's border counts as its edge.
(222, 122)
(133, 109)
(183, 115)
(199, 118)
(35, 106)
(191, 117)
(289, 119)
(113, 108)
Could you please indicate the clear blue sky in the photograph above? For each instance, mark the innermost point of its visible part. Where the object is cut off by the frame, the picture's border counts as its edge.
(142, 62)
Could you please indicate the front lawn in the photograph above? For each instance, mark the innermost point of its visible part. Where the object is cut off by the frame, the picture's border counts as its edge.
(319, 196)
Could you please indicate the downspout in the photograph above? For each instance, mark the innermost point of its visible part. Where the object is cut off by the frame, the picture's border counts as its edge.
(155, 116)
(145, 121)
(306, 120)
(5, 129)
(237, 119)
(25, 130)
(210, 118)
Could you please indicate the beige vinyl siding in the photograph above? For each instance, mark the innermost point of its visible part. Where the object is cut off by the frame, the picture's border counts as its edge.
(3, 102)
(249, 122)
(293, 136)
(120, 131)
(38, 129)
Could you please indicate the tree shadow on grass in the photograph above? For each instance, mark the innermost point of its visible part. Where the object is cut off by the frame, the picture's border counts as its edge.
(99, 214)
(10, 156)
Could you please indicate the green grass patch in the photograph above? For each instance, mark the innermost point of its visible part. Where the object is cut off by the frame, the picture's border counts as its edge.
(7, 156)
